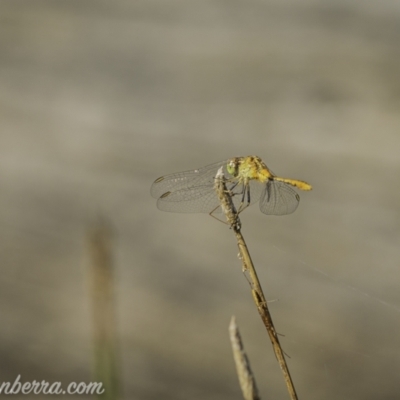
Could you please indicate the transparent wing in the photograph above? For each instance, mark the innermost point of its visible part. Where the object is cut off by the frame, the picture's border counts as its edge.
(190, 200)
(184, 180)
(188, 191)
(278, 198)
(193, 191)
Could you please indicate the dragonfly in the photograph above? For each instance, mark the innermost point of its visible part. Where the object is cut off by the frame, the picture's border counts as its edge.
(248, 181)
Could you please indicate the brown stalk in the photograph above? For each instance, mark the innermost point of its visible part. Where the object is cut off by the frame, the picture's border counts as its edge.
(248, 267)
(245, 374)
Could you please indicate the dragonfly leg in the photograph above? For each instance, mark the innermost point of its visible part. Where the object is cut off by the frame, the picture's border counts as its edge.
(211, 214)
(243, 206)
(233, 187)
(245, 190)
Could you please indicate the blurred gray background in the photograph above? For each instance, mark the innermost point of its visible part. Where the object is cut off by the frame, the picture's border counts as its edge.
(100, 98)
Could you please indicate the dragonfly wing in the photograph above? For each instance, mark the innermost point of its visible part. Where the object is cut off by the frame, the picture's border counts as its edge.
(278, 198)
(189, 191)
(197, 199)
(187, 179)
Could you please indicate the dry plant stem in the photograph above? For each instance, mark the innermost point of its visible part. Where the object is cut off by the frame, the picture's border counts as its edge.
(232, 216)
(245, 374)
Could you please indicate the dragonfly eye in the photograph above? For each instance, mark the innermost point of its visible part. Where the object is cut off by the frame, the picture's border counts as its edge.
(232, 168)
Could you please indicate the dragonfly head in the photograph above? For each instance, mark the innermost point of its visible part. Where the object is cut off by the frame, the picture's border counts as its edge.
(233, 167)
